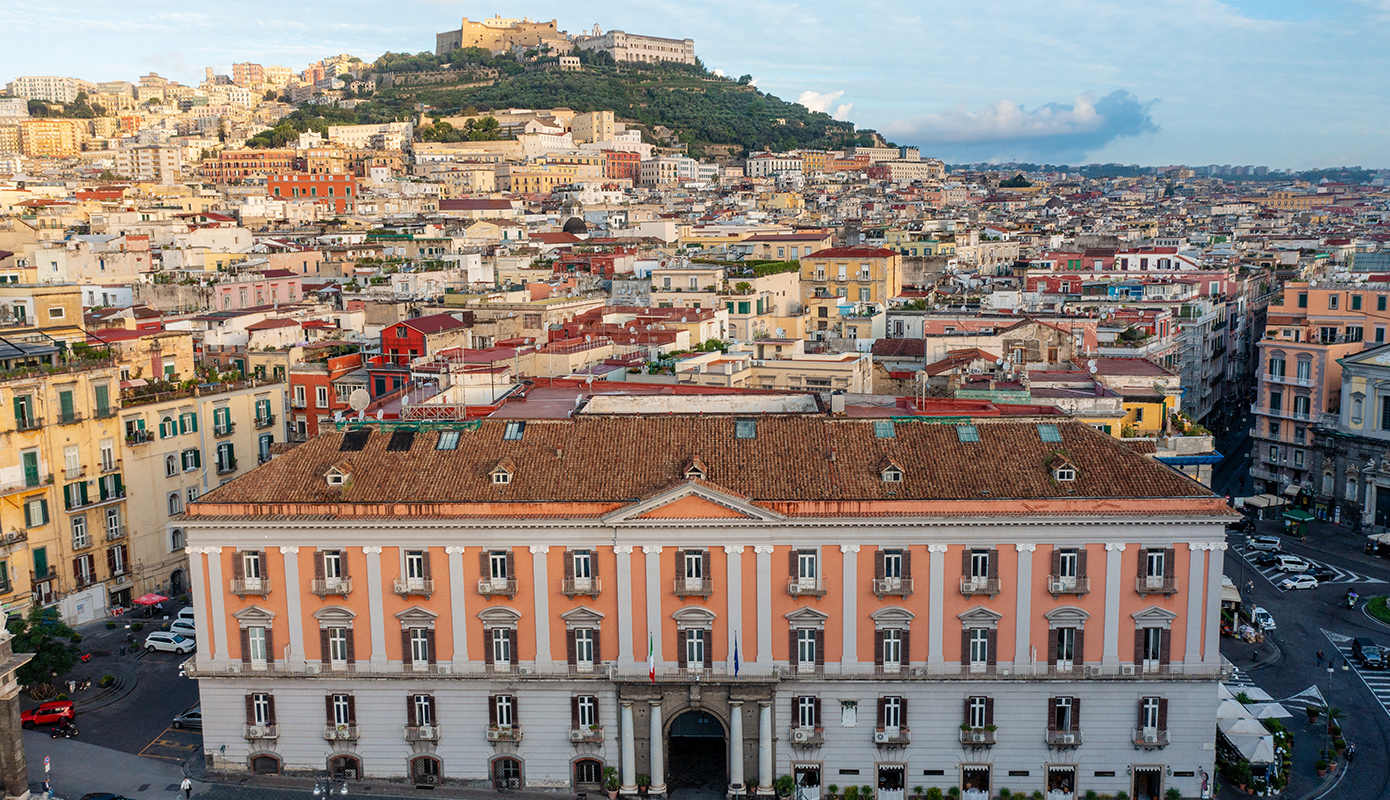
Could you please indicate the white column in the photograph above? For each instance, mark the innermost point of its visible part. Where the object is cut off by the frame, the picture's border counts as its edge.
(1023, 640)
(218, 588)
(655, 750)
(197, 591)
(458, 607)
(1215, 564)
(654, 621)
(733, 556)
(764, 554)
(629, 751)
(764, 747)
(540, 583)
(1196, 586)
(624, 576)
(936, 603)
(735, 746)
(375, 606)
(1110, 653)
(294, 610)
(849, 579)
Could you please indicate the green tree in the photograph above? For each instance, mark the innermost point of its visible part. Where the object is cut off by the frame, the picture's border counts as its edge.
(52, 642)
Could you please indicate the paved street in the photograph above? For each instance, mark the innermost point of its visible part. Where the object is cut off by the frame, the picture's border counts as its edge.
(1344, 575)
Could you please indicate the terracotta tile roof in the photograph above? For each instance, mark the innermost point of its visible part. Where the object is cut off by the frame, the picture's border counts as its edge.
(434, 323)
(794, 459)
(853, 252)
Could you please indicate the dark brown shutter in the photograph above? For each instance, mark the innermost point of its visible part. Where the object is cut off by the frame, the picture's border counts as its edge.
(1052, 714)
(269, 645)
(516, 711)
(511, 566)
(1140, 724)
(1165, 643)
(429, 645)
(1139, 645)
(989, 710)
(966, 718)
(598, 652)
(791, 563)
(125, 558)
(487, 645)
(1163, 713)
(878, 648)
(425, 562)
(704, 564)
(593, 563)
(1056, 561)
(1076, 713)
(1168, 563)
(878, 565)
(902, 713)
(238, 566)
(570, 657)
(410, 717)
(680, 649)
(351, 646)
(318, 568)
(265, 565)
(484, 564)
(796, 711)
(965, 563)
(906, 656)
(352, 710)
(881, 703)
(110, 561)
(406, 655)
(791, 646)
(328, 707)
(817, 703)
(965, 646)
(679, 555)
(994, 565)
(907, 563)
(516, 654)
(270, 707)
(992, 643)
(323, 645)
(250, 709)
(1052, 646)
(492, 710)
(1079, 656)
(343, 564)
(245, 646)
(569, 568)
(709, 644)
(1081, 562)
(77, 565)
(574, 712)
(434, 712)
(1143, 562)
(820, 647)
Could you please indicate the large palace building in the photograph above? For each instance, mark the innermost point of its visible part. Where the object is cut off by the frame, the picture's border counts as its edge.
(715, 601)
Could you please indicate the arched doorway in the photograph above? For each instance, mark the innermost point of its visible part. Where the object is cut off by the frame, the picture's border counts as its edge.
(345, 768)
(176, 583)
(697, 752)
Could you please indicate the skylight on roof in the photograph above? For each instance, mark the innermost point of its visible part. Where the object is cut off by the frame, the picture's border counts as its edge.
(967, 433)
(354, 441)
(1048, 433)
(448, 440)
(514, 431)
(883, 429)
(745, 429)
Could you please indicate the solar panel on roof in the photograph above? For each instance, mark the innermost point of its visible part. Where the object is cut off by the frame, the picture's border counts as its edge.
(745, 429)
(967, 433)
(883, 429)
(1048, 433)
(400, 441)
(448, 440)
(353, 441)
(514, 431)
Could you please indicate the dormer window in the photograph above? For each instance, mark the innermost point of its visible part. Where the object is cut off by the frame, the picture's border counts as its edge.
(1065, 473)
(695, 470)
(338, 475)
(501, 476)
(892, 475)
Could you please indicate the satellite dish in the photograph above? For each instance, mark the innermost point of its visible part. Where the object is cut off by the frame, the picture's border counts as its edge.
(998, 362)
(361, 415)
(338, 416)
(359, 399)
(684, 319)
(1092, 369)
(1091, 364)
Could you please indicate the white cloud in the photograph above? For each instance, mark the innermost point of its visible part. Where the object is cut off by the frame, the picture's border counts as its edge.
(1002, 120)
(816, 101)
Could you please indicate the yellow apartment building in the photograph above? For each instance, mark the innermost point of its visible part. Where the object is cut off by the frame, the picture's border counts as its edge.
(857, 274)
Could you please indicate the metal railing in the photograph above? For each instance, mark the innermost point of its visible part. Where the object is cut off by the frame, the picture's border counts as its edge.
(591, 734)
(571, 587)
(805, 587)
(498, 733)
(25, 484)
(806, 737)
(1150, 737)
(118, 532)
(265, 421)
(982, 737)
(262, 732)
(140, 436)
(1068, 584)
(224, 430)
(247, 586)
(224, 467)
(973, 585)
(892, 736)
(497, 587)
(342, 733)
(423, 587)
(28, 423)
(1156, 584)
(110, 466)
(323, 587)
(1063, 738)
(69, 417)
(694, 587)
(893, 586)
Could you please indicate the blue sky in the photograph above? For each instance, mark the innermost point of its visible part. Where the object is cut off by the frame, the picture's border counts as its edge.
(1286, 83)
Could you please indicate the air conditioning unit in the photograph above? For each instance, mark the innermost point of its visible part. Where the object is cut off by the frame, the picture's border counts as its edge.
(255, 732)
(432, 780)
(576, 735)
(427, 732)
(801, 735)
(1092, 670)
(1126, 669)
(1068, 738)
(884, 737)
(527, 670)
(1150, 737)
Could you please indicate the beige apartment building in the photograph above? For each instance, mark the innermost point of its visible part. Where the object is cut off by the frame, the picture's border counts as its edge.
(857, 274)
(763, 367)
(181, 444)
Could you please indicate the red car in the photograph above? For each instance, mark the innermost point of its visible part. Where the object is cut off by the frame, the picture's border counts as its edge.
(48, 714)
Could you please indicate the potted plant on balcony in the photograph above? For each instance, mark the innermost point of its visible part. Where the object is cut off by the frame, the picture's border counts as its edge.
(610, 782)
(644, 784)
(784, 785)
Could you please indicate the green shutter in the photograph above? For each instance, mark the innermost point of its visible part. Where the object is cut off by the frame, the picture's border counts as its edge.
(31, 469)
(183, 423)
(82, 492)
(102, 483)
(29, 518)
(193, 421)
(41, 560)
(120, 486)
(69, 493)
(197, 458)
(43, 511)
(103, 400)
(65, 404)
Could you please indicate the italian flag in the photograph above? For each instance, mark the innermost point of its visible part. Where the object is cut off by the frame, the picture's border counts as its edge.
(651, 657)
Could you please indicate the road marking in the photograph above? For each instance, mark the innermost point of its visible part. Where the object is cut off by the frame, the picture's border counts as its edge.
(1274, 575)
(171, 739)
(1377, 684)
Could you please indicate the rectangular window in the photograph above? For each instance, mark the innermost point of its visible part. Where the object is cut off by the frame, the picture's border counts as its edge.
(1305, 370)
(497, 565)
(501, 646)
(892, 563)
(1302, 407)
(419, 646)
(342, 709)
(415, 565)
(424, 710)
(695, 648)
(79, 532)
(892, 713)
(806, 566)
(506, 709)
(583, 565)
(332, 564)
(979, 564)
(584, 647)
(587, 706)
(806, 646)
(1148, 714)
(337, 645)
(979, 646)
(321, 396)
(978, 714)
(260, 709)
(1356, 302)
(1063, 714)
(1152, 646)
(255, 642)
(806, 712)
(1276, 401)
(1066, 647)
(251, 565)
(892, 648)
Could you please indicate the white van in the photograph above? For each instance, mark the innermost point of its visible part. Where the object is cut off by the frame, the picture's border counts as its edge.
(185, 613)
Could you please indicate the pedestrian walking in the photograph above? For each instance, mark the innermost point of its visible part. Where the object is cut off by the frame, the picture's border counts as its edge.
(1319, 658)
(187, 787)
(1250, 587)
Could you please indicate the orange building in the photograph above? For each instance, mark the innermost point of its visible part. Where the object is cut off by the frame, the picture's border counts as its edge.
(51, 138)
(237, 165)
(338, 191)
(746, 596)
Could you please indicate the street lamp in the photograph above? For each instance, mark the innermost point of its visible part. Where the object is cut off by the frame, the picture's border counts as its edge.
(323, 787)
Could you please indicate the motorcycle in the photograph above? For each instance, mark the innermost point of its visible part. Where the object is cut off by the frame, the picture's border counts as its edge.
(67, 730)
(1351, 599)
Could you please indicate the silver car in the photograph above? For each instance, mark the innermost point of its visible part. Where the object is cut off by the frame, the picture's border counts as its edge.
(191, 719)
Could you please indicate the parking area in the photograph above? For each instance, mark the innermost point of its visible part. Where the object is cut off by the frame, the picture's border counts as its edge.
(1272, 573)
(1378, 681)
(173, 744)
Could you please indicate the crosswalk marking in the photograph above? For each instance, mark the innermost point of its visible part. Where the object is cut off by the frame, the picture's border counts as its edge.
(1274, 576)
(1378, 683)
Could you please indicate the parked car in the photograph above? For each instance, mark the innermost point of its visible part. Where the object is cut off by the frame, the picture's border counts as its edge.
(185, 613)
(1301, 581)
(1262, 618)
(1323, 573)
(169, 642)
(1270, 543)
(191, 719)
(1291, 564)
(1263, 558)
(48, 713)
(184, 628)
(1368, 653)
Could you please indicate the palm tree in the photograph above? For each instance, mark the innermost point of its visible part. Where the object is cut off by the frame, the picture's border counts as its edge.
(1333, 715)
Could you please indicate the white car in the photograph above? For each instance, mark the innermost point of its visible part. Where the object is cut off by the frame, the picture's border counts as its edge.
(1262, 618)
(169, 642)
(1291, 564)
(185, 613)
(184, 628)
(1270, 543)
(1299, 582)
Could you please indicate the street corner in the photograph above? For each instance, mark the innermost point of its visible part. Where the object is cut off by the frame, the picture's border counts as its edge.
(173, 744)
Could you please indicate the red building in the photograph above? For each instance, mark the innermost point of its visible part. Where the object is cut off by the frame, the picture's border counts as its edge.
(422, 336)
(620, 164)
(321, 386)
(339, 191)
(234, 165)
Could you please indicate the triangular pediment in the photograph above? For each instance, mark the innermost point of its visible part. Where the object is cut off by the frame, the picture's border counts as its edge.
(694, 500)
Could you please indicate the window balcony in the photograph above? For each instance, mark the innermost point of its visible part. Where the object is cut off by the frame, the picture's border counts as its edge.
(806, 587)
(971, 585)
(422, 733)
(590, 735)
(110, 465)
(74, 474)
(503, 733)
(325, 587)
(28, 424)
(118, 532)
(340, 733)
(105, 412)
(1070, 738)
(139, 437)
(694, 587)
(69, 417)
(1150, 738)
(1156, 584)
(249, 586)
(1066, 584)
(977, 737)
(265, 421)
(255, 732)
(574, 587)
(224, 467)
(497, 587)
(47, 575)
(420, 587)
(25, 484)
(807, 737)
(891, 737)
(901, 587)
(224, 430)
